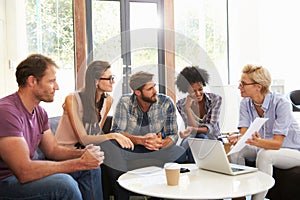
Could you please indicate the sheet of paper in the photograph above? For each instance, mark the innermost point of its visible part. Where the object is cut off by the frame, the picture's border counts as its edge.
(255, 126)
(147, 171)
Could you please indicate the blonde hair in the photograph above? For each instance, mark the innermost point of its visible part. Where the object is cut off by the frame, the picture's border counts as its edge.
(259, 75)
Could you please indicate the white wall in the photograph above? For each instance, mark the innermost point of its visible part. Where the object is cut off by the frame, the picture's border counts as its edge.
(244, 36)
(12, 40)
(3, 46)
(229, 114)
(265, 33)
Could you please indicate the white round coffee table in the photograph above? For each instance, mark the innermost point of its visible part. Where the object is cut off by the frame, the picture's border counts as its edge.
(196, 184)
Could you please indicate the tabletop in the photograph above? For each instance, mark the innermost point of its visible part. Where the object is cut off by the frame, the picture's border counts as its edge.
(196, 184)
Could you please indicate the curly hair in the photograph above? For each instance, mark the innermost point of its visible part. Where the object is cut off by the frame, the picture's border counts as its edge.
(190, 75)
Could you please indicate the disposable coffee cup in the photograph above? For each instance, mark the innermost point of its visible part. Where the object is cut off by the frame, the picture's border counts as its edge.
(172, 171)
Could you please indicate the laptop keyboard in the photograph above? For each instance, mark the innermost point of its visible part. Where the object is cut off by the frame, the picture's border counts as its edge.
(236, 169)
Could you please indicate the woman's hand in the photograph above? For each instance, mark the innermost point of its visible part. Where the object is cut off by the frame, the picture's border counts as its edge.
(254, 140)
(189, 101)
(274, 144)
(233, 140)
(124, 141)
(186, 132)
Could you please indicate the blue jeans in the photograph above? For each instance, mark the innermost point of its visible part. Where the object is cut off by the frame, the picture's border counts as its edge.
(76, 186)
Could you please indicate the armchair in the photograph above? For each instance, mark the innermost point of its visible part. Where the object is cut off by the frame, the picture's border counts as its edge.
(294, 98)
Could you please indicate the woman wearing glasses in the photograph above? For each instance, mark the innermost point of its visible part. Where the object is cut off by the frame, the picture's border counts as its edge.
(200, 110)
(278, 142)
(85, 111)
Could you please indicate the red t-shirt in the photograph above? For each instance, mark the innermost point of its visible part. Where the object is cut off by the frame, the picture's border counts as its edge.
(16, 121)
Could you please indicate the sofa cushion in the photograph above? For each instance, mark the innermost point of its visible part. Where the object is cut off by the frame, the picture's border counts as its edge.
(53, 123)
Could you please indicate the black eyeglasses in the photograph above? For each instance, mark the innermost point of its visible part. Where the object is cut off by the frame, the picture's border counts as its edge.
(111, 79)
(242, 84)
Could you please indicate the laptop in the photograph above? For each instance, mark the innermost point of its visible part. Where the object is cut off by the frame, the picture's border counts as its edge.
(210, 155)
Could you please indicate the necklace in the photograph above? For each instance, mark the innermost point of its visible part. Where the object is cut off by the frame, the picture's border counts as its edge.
(257, 104)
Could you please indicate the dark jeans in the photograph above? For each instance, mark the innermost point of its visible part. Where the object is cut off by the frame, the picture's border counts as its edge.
(118, 161)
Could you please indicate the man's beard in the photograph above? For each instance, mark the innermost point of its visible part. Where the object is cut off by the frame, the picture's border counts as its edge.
(149, 100)
(45, 97)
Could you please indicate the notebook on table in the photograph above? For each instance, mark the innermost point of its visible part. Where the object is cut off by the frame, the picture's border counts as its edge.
(210, 155)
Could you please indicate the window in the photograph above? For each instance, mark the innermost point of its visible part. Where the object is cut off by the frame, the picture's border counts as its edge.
(49, 31)
(219, 35)
(201, 37)
(201, 40)
(126, 34)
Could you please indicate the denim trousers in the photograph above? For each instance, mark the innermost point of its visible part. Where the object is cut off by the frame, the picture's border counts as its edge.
(75, 186)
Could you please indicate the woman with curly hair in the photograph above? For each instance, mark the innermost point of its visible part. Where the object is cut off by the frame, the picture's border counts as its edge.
(199, 110)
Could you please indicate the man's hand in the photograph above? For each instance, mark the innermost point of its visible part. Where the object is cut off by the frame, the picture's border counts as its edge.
(153, 141)
(92, 157)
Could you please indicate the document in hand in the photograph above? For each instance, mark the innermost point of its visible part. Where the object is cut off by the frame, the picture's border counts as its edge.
(255, 126)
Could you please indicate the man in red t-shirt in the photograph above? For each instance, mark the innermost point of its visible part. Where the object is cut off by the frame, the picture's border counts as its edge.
(68, 173)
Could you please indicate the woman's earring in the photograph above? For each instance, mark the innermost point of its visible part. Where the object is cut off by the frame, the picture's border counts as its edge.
(96, 84)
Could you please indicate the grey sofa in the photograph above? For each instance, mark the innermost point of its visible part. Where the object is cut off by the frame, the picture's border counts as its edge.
(53, 122)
